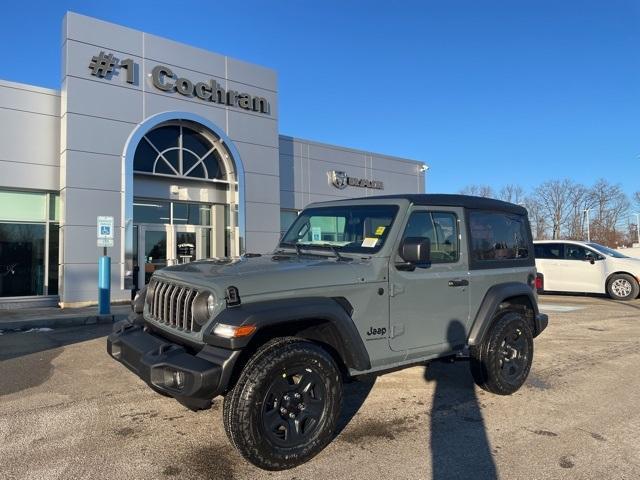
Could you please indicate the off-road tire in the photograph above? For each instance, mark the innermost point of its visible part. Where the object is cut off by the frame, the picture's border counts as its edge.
(251, 403)
(623, 287)
(491, 367)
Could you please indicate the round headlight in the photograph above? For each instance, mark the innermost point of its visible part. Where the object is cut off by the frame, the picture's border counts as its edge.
(211, 304)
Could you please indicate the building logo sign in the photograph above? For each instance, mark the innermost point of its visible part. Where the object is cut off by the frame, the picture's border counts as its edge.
(341, 181)
(104, 65)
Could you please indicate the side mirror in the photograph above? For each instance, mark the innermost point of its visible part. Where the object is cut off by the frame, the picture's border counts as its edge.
(416, 250)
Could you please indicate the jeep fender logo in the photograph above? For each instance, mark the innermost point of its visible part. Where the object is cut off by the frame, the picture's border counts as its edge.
(376, 332)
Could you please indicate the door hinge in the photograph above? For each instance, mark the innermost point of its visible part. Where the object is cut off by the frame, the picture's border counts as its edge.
(395, 289)
(397, 330)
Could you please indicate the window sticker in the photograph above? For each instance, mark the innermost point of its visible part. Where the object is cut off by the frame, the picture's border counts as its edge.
(369, 242)
(380, 231)
(316, 234)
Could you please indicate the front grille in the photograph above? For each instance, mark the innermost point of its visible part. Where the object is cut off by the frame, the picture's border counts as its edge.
(172, 305)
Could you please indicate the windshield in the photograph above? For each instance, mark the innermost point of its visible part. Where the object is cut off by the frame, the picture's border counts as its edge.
(607, 250)
(349, 228)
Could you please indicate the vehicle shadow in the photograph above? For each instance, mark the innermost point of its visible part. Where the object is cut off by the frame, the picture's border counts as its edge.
(26, 358)
(460, 447)
(18, 344)
(354, 395)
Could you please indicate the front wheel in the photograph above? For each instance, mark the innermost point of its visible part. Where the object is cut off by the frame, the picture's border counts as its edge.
(623, 287)
(501, 363)
(285, 406)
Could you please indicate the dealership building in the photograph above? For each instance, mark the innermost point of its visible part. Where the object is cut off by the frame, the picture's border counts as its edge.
(180, 146)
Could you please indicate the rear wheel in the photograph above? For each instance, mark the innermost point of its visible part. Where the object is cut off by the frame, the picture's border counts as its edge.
(623, 287)
(285, 406)
(502, 362)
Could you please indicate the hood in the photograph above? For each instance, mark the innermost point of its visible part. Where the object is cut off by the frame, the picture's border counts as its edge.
(631, 263)
(267, 274)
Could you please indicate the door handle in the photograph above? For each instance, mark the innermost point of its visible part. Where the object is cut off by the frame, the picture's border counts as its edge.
(458, 283)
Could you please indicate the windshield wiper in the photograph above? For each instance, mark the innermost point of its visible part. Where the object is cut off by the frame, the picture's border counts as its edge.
(335, 250)
(298, 247)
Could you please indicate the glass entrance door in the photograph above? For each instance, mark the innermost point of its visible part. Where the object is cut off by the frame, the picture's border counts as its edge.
(162, 245)
(186, 245)
(152, 251)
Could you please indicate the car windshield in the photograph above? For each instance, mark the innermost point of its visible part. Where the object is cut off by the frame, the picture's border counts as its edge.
(349, 228)
(607, 250)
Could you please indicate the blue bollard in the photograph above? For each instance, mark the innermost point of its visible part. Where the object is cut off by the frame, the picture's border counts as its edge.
(104, 285)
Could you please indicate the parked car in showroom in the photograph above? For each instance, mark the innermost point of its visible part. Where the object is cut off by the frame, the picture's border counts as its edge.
(574, 266)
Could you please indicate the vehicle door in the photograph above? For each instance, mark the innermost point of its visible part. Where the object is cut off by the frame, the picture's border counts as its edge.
(429, 304)
(583, 270)
(549, 262)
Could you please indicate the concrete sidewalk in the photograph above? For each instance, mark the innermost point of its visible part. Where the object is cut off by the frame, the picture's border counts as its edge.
(53, 317)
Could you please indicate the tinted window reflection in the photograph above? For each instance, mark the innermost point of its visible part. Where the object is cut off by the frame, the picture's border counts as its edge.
(54, 249)
(191, 214)
(21, 259)
(151, 211)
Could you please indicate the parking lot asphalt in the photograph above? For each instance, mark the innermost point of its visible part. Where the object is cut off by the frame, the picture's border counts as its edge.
(68, 411)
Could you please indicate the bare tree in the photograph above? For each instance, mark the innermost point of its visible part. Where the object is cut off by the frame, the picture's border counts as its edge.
(512, 193)
(554, 197)
(478, 191)
(610, 204)
(581, 199)
(537, 219)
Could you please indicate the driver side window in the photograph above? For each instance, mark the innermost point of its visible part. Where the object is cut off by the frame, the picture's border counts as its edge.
(576, 252)
(441, 228)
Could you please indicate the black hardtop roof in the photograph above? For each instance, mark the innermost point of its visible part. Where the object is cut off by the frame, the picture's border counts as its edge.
(450, 200)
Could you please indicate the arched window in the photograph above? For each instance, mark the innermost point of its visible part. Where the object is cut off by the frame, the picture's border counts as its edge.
(181, 149)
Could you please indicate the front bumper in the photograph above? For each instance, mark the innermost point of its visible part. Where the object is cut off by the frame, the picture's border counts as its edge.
(169, 368)
(542, 320)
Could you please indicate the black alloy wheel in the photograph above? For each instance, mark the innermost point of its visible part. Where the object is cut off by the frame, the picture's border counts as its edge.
(514, 354)
(293, 405)
(501, 363)
(284, 408)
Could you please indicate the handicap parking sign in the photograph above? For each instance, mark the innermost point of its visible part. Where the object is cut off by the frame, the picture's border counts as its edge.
(105, 231)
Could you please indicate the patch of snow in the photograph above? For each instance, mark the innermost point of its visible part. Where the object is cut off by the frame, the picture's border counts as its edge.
(43, 329)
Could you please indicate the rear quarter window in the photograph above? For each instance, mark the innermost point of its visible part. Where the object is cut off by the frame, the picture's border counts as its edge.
(498, 237)
(550, 251)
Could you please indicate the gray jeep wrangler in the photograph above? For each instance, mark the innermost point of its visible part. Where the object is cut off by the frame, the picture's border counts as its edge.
(354, 287)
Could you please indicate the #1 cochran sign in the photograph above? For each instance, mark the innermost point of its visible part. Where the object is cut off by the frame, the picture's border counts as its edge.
(105, 231)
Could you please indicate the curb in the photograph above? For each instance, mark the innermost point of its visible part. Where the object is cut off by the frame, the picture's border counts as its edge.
(18, 325)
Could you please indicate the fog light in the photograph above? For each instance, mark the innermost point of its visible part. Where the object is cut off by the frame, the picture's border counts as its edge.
(178, 380)
(116, 351)
(174, 379)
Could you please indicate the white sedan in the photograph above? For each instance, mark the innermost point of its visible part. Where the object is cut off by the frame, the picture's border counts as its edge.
(572, 266)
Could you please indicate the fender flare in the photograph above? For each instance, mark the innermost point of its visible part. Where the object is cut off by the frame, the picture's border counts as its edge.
(317, 318)
(491, 303)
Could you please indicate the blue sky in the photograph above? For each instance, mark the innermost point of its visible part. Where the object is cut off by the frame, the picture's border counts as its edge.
(487, 92)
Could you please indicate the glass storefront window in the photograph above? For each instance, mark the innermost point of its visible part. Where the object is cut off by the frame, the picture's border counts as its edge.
(28, 265)
(54, 207)
(191, 214)
(23, 206)
(54, 249)
(22, 259)
(151, 211)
